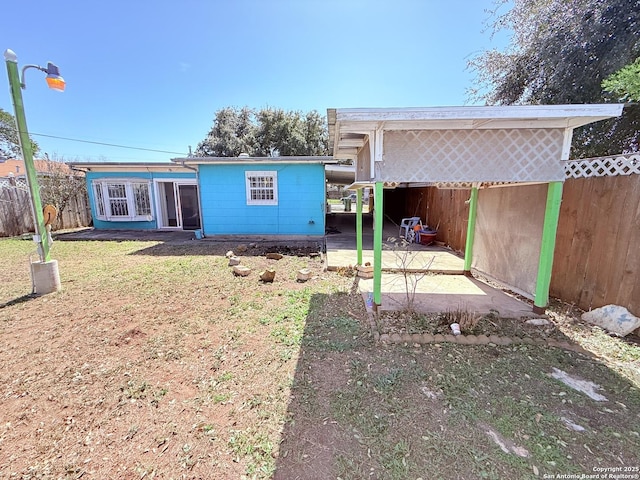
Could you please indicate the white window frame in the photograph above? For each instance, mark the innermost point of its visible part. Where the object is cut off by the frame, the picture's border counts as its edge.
(134, 212)
(255, 190)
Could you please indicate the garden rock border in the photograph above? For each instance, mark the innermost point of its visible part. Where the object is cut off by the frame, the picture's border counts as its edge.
(492, 340)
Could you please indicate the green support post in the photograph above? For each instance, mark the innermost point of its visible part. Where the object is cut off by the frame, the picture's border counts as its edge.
(549, 230)
(471, 231)
(359, 225)
(27, 155)
(377, 244)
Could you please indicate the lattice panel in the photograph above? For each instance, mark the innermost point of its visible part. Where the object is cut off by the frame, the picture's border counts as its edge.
(603, 166)
(468, 185)
(518, 155)
(20, 183)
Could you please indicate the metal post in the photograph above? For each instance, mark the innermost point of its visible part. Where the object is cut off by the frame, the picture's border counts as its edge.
(549, 230)
(41, 237)
(359, 225)
(471, 231)
(377, 244)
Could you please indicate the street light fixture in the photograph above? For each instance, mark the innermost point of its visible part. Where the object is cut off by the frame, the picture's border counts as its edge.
(54, 80)
(45, 273)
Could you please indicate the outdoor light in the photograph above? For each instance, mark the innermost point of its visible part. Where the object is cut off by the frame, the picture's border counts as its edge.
(54, 80)
(44, 274)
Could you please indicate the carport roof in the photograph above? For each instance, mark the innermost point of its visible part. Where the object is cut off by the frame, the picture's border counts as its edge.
(350, 127)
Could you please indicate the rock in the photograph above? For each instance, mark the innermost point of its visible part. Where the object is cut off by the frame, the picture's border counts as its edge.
(268, 275)
(427, 338)
(230, 254)
(538, 322)
(304, 275)
(613, 318)
(406, 337)
(365, 268)
(234, 261)
(274, 256)
(253, 245)
(241, 270)
(365, 275)
(241, 248)
(395, 338)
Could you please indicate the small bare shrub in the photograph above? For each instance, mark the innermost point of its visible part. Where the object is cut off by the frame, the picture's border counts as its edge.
(466, 319)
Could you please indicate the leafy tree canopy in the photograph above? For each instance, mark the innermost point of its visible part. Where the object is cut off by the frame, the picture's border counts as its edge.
(560, 52)
(625, 83)
(9, 144)
(264, 133)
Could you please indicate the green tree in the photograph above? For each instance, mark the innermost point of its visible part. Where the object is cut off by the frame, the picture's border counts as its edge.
(560, 52)
(233, 133)
(9, 144)
(264, 133)
(625, 83)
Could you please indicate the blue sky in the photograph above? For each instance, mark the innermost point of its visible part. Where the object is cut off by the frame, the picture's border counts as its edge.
(152, 74)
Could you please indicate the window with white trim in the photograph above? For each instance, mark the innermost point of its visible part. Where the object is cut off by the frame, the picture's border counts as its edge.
(122, 200)
(262, 188)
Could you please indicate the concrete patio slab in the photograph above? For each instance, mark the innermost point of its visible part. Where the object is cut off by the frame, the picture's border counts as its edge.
(341, 248)
(89, 234)
(440, 293)
(439, 288)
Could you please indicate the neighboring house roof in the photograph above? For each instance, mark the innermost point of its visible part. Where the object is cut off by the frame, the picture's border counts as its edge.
(16, 167)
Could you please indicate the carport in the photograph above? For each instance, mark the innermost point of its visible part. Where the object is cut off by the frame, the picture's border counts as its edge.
(476, 148)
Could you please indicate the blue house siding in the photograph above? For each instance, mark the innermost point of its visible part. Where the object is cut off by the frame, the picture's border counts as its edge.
(300, 208)
(130, 225)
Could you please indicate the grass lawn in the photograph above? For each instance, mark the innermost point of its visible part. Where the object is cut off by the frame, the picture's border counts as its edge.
(155, 361)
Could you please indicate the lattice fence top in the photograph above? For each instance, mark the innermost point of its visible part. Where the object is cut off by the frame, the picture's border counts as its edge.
(603, 166)
(20, 183)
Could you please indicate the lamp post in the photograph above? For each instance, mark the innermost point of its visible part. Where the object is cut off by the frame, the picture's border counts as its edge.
(44, 275)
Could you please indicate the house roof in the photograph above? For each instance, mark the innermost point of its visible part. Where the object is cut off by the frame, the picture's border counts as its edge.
(129, 167)
(254, 160)
(349, 128)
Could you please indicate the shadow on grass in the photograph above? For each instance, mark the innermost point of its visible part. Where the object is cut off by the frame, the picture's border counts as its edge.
(18, 300)
(365, 410)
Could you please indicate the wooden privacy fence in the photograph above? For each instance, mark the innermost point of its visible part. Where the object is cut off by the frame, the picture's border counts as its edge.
(597, 256)
(16, 217)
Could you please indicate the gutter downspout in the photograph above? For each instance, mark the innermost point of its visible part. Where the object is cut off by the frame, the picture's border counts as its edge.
(182, 163)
